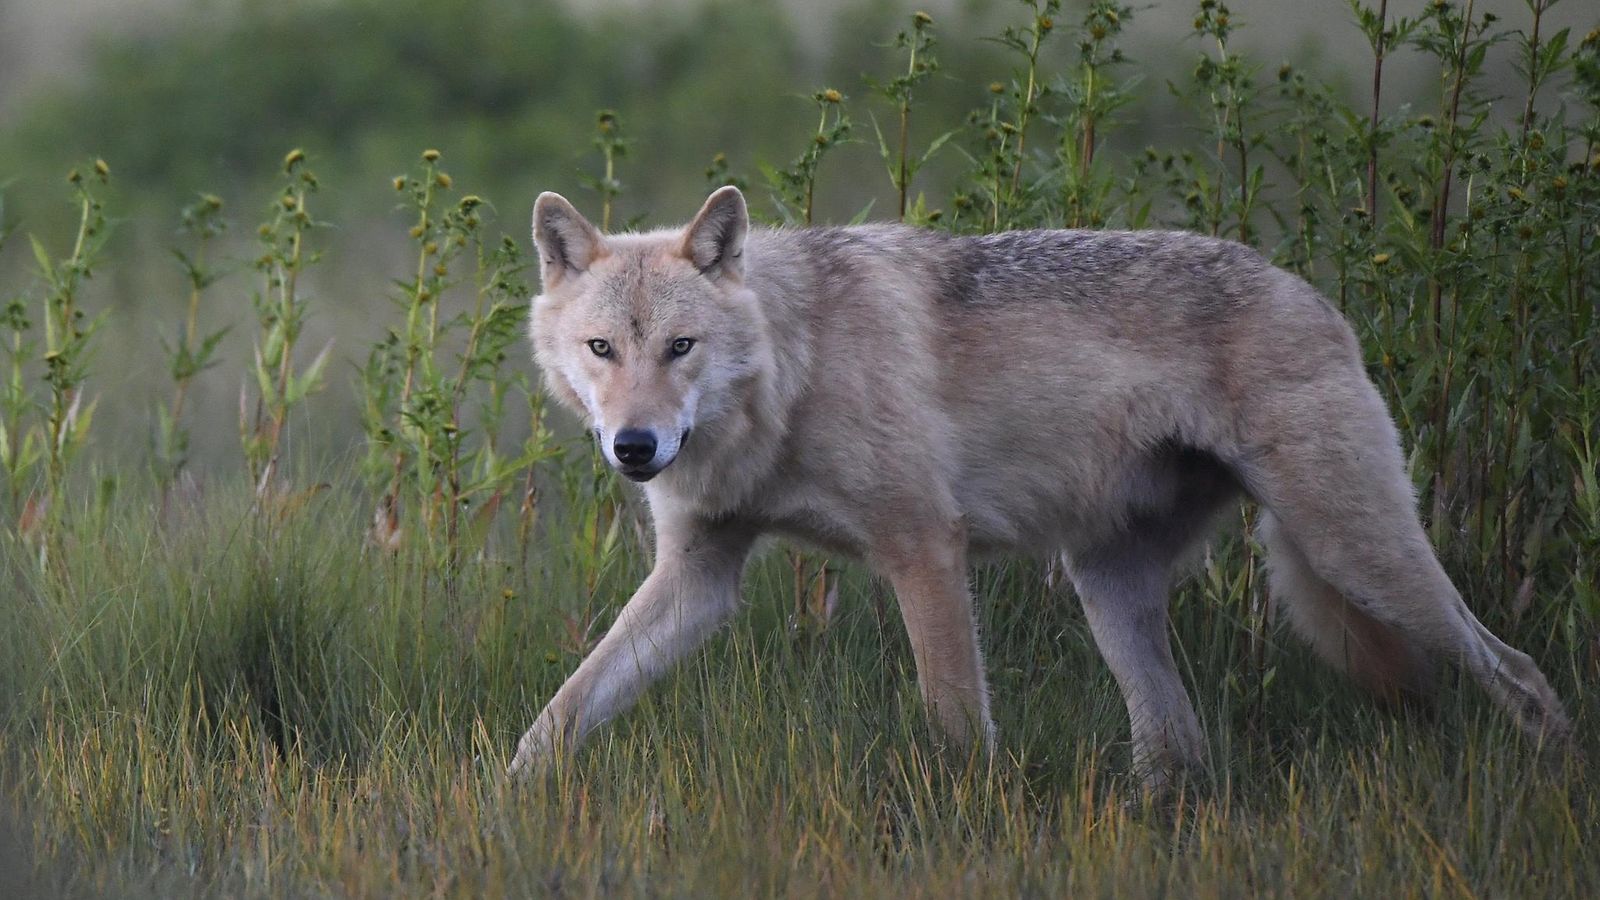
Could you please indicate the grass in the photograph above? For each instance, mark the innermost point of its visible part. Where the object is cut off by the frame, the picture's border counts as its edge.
(262, 688)
(224, 707)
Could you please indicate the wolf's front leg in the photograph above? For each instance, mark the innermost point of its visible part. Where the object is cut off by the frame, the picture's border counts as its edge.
(693, 588)
(929, 573)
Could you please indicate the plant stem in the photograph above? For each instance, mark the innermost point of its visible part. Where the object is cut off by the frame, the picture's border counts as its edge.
(903, 182)
(1535, 74)
(1025, 111)
(1372, 124)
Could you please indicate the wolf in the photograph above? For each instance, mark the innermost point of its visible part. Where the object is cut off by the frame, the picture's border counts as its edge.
(917, 400)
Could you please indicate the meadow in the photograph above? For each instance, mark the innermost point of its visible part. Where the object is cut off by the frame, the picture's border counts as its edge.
(303, 675)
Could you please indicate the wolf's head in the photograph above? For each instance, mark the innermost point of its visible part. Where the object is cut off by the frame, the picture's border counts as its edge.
(650, 337)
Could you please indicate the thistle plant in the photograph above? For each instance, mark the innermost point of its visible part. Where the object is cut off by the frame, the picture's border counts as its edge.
(1092, 96)
(281, 308)
(917, 42)
(428, 448)
(1461, 43)
(67, 332)
(998, 172)
(794, 188)
(1227, 88)
(1306, 150)
(194, 351)
(21, 440)
(719, 173)
(613, 146)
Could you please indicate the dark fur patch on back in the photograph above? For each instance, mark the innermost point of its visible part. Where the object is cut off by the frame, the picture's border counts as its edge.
(834, 249)
(1081, 267)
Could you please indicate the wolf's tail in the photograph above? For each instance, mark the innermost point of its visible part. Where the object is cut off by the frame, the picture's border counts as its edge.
(1377, 656)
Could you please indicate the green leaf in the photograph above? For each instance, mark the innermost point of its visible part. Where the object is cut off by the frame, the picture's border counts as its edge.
(41, 255)
(934, 146)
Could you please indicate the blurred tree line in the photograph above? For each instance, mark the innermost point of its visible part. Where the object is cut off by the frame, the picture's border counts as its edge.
(507, 87)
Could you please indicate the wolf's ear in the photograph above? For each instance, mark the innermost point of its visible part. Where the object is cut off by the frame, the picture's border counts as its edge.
(567, 243)
(714, 241)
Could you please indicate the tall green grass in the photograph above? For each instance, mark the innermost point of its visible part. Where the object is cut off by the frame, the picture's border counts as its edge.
(266, 712)
(305, 678)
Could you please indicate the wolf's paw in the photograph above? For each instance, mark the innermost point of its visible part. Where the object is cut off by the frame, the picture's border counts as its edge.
(1161, 797)
(534, 752)
(1557, 739)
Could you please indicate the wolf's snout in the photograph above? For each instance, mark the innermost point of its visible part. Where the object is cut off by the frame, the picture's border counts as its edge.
(634, 447)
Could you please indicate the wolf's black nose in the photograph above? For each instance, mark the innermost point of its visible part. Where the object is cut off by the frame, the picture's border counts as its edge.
(634, 447)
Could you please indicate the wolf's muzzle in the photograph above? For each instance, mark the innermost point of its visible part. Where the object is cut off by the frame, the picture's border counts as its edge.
(636, 451)
(634, 447)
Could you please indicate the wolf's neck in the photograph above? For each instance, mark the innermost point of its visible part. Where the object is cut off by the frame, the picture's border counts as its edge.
(786, 283)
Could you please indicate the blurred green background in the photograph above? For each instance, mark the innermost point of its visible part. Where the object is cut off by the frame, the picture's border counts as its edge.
(183, 96)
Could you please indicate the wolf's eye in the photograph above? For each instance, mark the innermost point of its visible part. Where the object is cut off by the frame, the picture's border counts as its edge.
(682, 346)
(601, 348)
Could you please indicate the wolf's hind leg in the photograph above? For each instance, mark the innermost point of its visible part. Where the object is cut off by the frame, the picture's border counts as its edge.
(1125, 596)
(1329, 469)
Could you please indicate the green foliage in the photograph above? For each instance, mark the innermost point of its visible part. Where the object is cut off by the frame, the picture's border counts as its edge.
(423, 454)
(1225, 85)
(194, 351)
(1093, 96)
(51, 430)
(214, 97)
(304, 722)
(998, 166)
(794, 188)
(612, 146)
(281, 307)
(921, 64)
